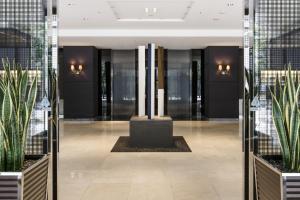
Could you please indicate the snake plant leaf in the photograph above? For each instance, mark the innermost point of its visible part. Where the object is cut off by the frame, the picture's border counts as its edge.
(286, 117)
(277, 88)
(290, 86)
(25, 121)
(294, 132)
(23, 85)
(296, 79)
(2, 90)
(281, 130)
(32, 95)
(7, 107)
(283, 98)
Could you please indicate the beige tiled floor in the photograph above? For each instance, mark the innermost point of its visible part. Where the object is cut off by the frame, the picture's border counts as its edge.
(89, 171)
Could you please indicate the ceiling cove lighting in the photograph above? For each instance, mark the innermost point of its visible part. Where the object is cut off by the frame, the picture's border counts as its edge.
(150, 20)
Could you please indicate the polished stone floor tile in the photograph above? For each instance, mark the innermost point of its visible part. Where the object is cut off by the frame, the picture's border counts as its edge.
(107, 191)
(89, 171)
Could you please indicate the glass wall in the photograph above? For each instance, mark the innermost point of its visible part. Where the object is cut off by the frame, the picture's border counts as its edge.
(277, 44)
(23, 39)
(123, 84)
(118, 84)
(179, 81)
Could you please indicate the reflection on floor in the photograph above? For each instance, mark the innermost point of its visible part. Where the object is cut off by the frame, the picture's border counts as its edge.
(89, 171)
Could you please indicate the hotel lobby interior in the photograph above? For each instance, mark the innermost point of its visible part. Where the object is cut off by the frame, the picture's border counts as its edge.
(149, 100)
(98, 110)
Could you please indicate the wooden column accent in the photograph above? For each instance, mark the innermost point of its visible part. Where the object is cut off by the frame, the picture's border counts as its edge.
(161, 67)
(161, 81)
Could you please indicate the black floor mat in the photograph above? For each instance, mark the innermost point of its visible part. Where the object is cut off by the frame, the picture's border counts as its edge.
(122, 145)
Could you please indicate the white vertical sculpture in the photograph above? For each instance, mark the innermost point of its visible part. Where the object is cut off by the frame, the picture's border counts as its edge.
(152, 80)
(160, 99)
(142, 79)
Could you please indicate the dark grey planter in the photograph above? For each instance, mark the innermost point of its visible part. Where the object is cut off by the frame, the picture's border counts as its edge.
(30, 184)
(272, 184)
(151, 133)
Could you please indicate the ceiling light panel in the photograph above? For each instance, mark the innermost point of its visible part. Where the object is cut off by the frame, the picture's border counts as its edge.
(150, 10)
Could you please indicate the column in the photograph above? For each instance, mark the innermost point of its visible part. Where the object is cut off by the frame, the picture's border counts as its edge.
(161, 77)
(141, 80)
(151, 81)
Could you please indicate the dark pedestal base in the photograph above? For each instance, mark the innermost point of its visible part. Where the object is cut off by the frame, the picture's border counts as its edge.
(157, 132)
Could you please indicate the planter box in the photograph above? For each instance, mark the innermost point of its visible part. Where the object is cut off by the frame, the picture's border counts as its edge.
(272, 184)
(31, 184)
(156, 132)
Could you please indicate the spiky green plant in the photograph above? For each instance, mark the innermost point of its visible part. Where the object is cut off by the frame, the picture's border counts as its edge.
(17, 99)
(286, 118)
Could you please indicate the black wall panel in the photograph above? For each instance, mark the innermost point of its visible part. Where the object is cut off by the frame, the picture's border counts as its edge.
(221, 91)
(80, 91)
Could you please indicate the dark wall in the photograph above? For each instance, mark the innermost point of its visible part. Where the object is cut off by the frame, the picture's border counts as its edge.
(221, 92)
(80, 91)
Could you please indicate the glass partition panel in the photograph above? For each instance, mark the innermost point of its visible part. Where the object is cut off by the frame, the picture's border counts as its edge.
(23, 39)
(123, 84)
(179, 84)
(276, 44)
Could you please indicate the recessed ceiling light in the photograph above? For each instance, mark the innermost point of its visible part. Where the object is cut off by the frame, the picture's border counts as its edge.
(70, 3)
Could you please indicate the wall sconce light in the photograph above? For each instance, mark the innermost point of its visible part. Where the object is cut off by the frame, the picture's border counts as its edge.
(223, 70)
(77, 70)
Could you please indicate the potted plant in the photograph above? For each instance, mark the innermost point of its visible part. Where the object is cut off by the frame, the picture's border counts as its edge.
(22, 177)
(278, 177)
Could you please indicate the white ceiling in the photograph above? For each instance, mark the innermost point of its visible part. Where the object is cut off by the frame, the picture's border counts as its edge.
(125, 24)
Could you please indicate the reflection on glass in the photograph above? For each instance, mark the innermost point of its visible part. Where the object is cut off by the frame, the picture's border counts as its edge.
(123, 85)
(179, 84)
